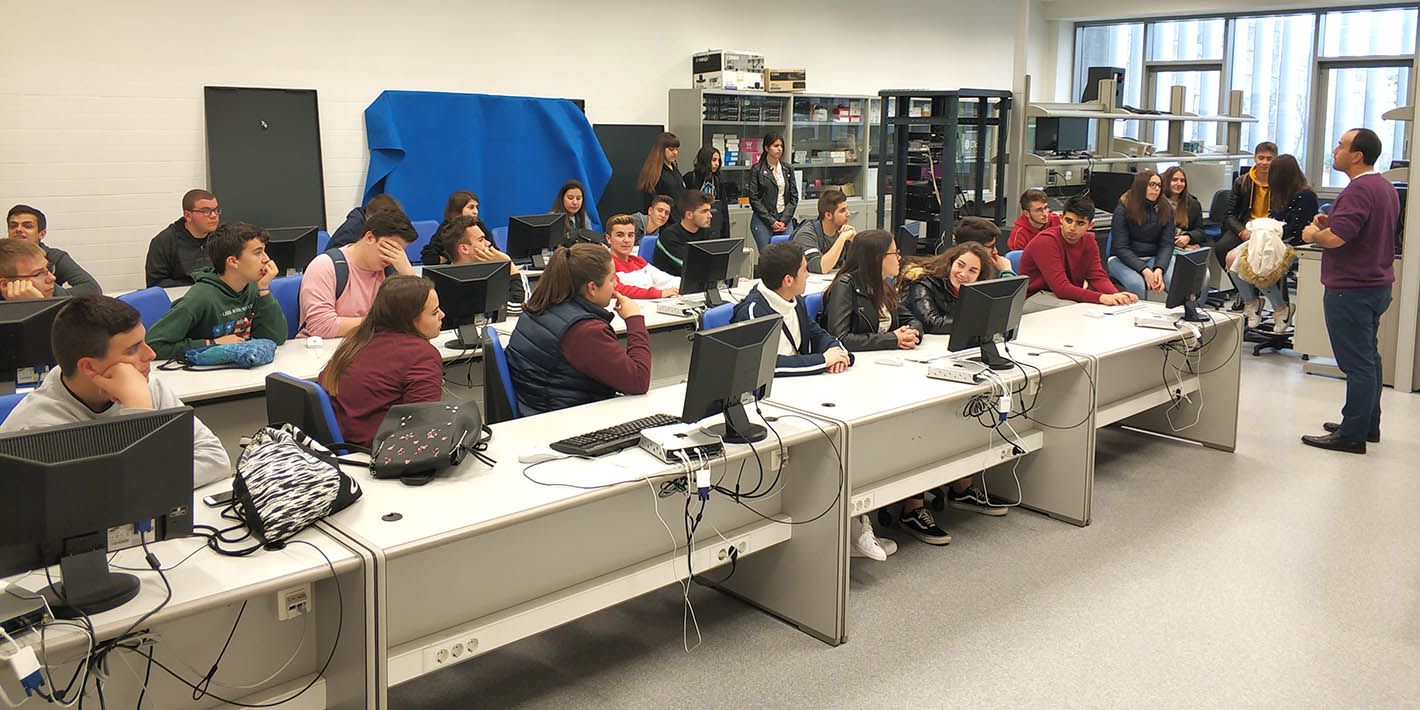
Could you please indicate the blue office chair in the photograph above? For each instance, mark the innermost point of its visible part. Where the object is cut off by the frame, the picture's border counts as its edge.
(322, 239)
(780, 238)
(500, 402)
(303, 403)
(717, 316)
(1014, 256)
(8, 402)
(287, 291)
(647, 250)
(500, 238)
(151, 302)
(425, 228)
(813, 303)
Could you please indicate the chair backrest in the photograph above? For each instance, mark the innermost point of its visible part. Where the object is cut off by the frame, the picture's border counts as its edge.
(425, 228)
(8, 402)
(1219, 206)
(779, 238)
(303, 403)
(1014, 256)
(287, 292)
(500, 238)
(647, 250)
(322, 239)
(151, 302)
(500, 402)
(717, 316)
(813, 303)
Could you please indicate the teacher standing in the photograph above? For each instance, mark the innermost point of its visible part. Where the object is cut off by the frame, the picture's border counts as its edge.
(1357, 269)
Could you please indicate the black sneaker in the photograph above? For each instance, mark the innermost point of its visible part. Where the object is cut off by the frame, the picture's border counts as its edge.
(976, 501)
(923, 526)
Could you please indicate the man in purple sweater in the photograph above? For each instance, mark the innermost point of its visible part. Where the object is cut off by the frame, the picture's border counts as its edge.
(1357, 269)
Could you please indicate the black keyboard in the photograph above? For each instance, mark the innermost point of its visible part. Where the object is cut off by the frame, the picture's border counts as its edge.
(611, 439)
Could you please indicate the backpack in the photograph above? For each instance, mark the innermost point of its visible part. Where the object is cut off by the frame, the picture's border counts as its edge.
(342, 273)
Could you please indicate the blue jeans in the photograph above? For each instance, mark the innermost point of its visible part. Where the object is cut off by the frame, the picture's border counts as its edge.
(1274, 292)
(1353, 319)
(1132, 280)
(762, 230)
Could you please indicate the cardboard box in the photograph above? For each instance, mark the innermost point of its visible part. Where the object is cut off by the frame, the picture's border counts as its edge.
(785, 80)
(718, 60)
(730, 80)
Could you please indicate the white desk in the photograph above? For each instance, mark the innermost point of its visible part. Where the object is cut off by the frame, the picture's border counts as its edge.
(484, 557)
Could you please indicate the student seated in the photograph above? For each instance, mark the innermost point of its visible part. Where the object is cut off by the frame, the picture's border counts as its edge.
(984, 232)
(388, 359)
(231, 301)
(353, 227)
(1063, 263)
(657, 215)
(1035, 216)
(27, 223)
(461, 204)
(105, 371)
(931, 287)
(332, 312)
(634, 277)
(1142, 235)
(806, 348)
(177, 251)
(571, 201)
(825, 239)
(465, 242)
(694, 226)
(563, 351)
(24, 272)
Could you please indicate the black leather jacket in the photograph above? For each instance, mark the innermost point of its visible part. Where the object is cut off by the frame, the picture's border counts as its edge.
(931, 301)
(1239, 205)
(764, 192)
(849, 316)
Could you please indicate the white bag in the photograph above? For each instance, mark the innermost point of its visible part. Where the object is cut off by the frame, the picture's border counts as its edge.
(1264, 257)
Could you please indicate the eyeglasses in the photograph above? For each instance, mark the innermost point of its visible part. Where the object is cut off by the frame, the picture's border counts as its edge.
(893, 253)
(208, 211)
(37, 274)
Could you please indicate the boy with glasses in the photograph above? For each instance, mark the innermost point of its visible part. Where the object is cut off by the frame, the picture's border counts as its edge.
(177, 251)
(27, 223)
(25, 274)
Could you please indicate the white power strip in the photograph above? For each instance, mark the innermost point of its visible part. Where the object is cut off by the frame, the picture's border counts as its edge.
(954, 370)
(1162, 321)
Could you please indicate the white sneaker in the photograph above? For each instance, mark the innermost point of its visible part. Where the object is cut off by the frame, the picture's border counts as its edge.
(865, 543)
(1251, 311)
(1282, 317)
(889, 546)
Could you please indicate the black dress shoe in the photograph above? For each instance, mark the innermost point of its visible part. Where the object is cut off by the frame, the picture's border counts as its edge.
(1335, 442)
(1373, 437)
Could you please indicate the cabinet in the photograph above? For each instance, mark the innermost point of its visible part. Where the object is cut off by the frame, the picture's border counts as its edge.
(1311, 338)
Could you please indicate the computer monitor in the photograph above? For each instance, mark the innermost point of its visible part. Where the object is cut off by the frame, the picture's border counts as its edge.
(1062, 135)
(726, 365)
(987, 313)
(532, 234)
(1190, 271)
(24, 339)
(292, 248)
(584, 236)
(73, 493)
(907, 238)
(1093, 76)
(472, 296)
(707, 263)
(1106, 187)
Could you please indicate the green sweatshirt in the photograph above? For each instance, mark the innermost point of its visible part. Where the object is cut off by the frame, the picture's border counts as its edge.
(210, 310)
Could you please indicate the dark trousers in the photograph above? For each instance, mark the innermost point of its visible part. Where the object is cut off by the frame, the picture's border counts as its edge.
(1353, 319)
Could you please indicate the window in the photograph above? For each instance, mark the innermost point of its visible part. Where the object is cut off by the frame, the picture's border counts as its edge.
(1186, 40)
(1200, 96)
(1357, 96)
(1111, 46)
(1272, 66)
(1358, 33)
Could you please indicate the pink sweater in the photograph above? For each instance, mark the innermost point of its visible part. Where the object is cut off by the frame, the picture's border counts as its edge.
(320, 310)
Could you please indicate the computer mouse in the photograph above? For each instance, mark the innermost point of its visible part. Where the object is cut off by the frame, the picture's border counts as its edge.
(538, 455)
(892, 361)
(314, 342)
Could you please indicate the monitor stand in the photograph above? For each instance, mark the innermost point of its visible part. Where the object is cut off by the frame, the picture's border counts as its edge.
(89, 587)
(470, 335)
(1191, 314)
(992, 358)
(737, 429)
(713, 298)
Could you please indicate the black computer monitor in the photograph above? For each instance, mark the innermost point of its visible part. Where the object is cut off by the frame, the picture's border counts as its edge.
(24, 337)
(987, 313)
(532, 234)
(1106, 187)
(472, 296)
(726, 364)
(1190, 272)
(907, 237)
(292, 248)
(73, 493)
(1062, 135)
(707, 263)
(584, 236)
(1091, 90)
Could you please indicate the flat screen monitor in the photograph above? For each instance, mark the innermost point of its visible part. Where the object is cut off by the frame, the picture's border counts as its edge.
(1190, 272)
(472, 296)
(24, 337)
(292, 248)
(533, 234)
(988, 313)
(584, 236)
(1094, 75)
(1062, 135)
(73, 493)
(1106, 187)
(707, 263)
(728, 365)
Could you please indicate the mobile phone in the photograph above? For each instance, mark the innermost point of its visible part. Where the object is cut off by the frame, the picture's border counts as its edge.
(217, 500)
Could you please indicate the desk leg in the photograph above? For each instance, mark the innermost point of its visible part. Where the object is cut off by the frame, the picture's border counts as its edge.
(805, 580)
(358, 673)
(1221, 365)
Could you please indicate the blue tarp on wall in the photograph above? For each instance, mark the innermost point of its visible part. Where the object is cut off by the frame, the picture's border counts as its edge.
(514, 152)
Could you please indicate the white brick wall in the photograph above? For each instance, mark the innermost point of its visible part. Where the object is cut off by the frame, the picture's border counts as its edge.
(101, 117)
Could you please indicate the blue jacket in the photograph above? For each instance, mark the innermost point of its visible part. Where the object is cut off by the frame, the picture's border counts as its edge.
(812, 341)
(351, 230)
(1133, 243)
(542, 377)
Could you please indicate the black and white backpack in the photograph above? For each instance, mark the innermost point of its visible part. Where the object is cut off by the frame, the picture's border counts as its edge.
(287, 481)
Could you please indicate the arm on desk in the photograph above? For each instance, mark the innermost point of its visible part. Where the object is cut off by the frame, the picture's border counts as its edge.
(210, 462)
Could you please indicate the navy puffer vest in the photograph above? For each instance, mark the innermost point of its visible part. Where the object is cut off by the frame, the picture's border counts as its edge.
(542, 377)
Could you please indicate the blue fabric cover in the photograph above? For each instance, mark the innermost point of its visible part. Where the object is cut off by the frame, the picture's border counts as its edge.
(513, 151)
(252, 353)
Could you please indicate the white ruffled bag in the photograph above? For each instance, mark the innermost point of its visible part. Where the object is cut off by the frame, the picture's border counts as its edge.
(1264, 257)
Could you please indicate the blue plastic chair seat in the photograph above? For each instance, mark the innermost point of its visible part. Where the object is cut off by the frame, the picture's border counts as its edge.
(717, 316)
(287, 291)
(1014, 256)
(425, 228)
(500, 361)
(152, 303)
(813, 303)
(647, 250)
(8, 402)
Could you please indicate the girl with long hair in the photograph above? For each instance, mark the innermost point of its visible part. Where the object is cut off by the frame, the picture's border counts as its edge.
(1294, 204)
(660, 175)
(571, 200)
(773, 192)
(461, 203)
(1142, 235)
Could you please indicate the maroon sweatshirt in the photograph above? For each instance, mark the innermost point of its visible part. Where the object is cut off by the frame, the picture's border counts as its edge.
(394, 368)
(1061, 268)
(591, 347)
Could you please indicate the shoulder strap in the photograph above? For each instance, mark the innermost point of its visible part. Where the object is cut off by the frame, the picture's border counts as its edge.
(342, 269)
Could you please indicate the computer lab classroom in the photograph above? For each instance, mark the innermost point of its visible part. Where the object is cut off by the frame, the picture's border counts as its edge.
(1151, 476)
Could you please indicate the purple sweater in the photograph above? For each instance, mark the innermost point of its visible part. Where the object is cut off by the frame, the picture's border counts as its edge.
(1364, 216)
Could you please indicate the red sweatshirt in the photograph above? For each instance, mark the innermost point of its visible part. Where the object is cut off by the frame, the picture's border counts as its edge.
(394, 368)
(1060, 268)
(591, 347)
(1024, 231)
